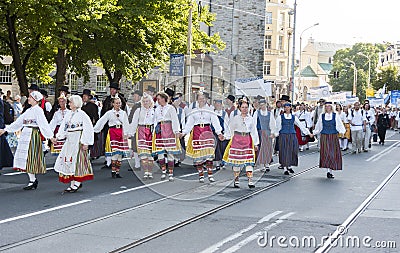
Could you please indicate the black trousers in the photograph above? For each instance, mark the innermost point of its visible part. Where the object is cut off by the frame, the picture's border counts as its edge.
(381, 134)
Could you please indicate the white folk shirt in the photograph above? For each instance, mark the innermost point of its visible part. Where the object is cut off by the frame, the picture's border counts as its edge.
(167, 113)
(142, 116)
(304, 118)
(226, 120)
(370, 117)
(58, 118)
(202, 116)
(356, 122)
(297, 122)
(77, 121)
(343, 117)
(114, 118)
(328, 116)
(244, 125)
(272, 121)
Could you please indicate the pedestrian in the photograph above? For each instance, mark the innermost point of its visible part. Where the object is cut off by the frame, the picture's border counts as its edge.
(241, 150)
(382, 123)
(369, 121)
(288, 144)
(116, 145)
(343, 113)
(329, 125)
(142, 126)
(29, 155)
(166, 132)
(357, 120)
(92, 110)
(55, 124)
(201, 143)
(6, 158)
(73, 164)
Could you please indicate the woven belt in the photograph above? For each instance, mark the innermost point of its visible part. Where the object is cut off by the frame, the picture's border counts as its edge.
(242, 133)
(116, 126)
(146, 126)
(164, 121)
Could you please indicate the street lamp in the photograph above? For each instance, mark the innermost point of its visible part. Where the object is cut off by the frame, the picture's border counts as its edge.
(354, 76)
(369, 68)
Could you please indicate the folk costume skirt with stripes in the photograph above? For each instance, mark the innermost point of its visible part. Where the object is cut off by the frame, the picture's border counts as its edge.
(115, 143)
(347, 134)
(73, 162)
(29, 155)
(55, 148)
(288, 150)
(97, 149)
(144, 141)
(240, 151)
(201, 144)
(264, 154)
(165, 140)
(330, 155)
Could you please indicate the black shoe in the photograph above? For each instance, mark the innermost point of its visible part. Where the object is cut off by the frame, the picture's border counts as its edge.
(280, 167)
(130, 169)
(113, 174)
(329, 175)
(286, 173)
(177, 164)
(34, 185)
(267, 170)
(217, 167)
(117, 175)
(369, 145)
(290, 170)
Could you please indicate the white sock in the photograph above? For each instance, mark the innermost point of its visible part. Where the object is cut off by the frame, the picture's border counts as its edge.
(137, 161)
(72, 183)
(285, 169)
(77, 184)
(32, 177)
(345, 142)
(108, 160)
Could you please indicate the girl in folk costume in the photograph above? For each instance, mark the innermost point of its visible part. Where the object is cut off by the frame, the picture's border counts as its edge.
(241, 149)
(142, 125)
(116, 145)
(165, 137)
(29, 155)
(329, 125)
(343, 114)
(55, 123)
(288, 144)
(201, 144)
(73, 164)
(266, 127)
(305, 119)
(224, 123)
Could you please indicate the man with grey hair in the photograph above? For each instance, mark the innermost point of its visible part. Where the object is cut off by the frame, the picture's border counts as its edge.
(357, 119)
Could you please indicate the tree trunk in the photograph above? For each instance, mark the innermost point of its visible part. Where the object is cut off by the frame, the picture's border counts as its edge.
(117, 74)
(117, 77)
(61, 63)
(18, 66)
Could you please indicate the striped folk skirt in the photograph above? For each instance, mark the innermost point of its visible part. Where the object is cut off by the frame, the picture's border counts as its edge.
(288, 150)
(240, 151)
(201, 144)
(34, 163)
(55, 148)
(330, 155)
(143, 143)
(97, 149)
(165, 140)
(116, 144)
(264, 154)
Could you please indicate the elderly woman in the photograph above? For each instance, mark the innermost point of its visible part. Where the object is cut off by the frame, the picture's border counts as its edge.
(55, 123)
(116, 141)
(29, 155)
(329, 125)
(142, 125)
(73, 163)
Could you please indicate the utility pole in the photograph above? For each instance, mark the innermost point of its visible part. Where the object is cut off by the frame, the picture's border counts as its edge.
(188, 73)
(294, 48)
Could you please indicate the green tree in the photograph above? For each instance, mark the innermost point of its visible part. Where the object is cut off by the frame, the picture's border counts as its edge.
(388, 75)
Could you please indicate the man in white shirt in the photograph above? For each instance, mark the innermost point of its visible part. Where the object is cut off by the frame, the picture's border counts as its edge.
(357, 120)
(370, 119)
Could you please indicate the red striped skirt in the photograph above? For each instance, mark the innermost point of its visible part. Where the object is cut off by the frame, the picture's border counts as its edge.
(144, 141)
(240, 151)
(330, 155)
(201, 144)
(166, 141)
(118, 145)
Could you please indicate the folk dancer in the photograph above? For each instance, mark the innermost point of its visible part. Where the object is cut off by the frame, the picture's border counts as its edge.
(305, 119)
(266, 127)
(6, 158)
(177, 102)
(382, 123)
(317, 112)
(73, 164)
(230, 104)
(116, 146)
(29, 155)
(55, 124)
(142, 126)
(278, 111)
(329, 125)
(369, 121)
(243, 144)
(137, 96)
(224, 123)
(92, 110)
(357, 120)
(288, 144)
(343, 138)
(165, 136)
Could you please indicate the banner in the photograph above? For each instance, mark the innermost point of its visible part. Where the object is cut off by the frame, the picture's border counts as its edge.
(394, 95)
(376, 102)
(316, 93)
(351, 100)
(337, 97)
(253, 87)
(176, 64)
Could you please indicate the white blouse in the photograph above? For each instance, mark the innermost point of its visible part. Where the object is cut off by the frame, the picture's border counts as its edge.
(58, 118)
(113, 118)
(244, 125)
(343, 117)
(328, 116)
(142, 116)
(77, 121)
(167, 113)
(202, 116)
(297, 122)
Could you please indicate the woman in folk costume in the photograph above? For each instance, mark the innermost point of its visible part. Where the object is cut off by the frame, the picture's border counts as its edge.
(266, 127)
(343, 138)
(73, 164)
(29, 155)
(116, 145)
(305, 119)
(224, 123)
(201, 144)
(288, 144)
(166, 133)
(6, 158)
(329, 125)
(55, 123)
(142, 125)
(241, 149)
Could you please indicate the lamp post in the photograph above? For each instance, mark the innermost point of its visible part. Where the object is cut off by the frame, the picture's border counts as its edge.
(354, 76)
(294, 46)
(188, 73)
(369, 68)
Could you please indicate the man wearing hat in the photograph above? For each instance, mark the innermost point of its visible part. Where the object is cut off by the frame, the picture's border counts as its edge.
(230, 104)
(152, 92)
(224, 123)
(170, 93)
(6, 158)
(45, 105)
(92, 110)
(137, 96)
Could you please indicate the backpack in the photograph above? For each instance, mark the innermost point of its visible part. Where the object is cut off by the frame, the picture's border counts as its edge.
(352, 113)
(8, 113)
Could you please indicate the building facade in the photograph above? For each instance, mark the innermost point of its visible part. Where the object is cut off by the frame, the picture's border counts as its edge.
(391, 56)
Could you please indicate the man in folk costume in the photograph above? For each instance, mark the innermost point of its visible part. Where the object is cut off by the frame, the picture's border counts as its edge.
(137, 96)
(152, 92)
(166, 133)
(278, 110)
(329, 125)
(288, 144)
(45, 105)
(92, 110)
(107, 106)
(6, 158)
(29, 155)
(116, 145)
(305, 120)
(266, 127)
(224, 123)
(243, 144)
(176, 102)
(357, 119)
(317, 112)
(230, 104)
(55, 124)
(369, 121)
(73, 163)
(142, 125)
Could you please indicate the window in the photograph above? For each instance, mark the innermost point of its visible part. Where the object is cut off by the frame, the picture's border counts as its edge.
(281, 68)
(267, 68)
(73, 82)
(268, 18)
(280, 46)
(5, 75)
(268, 41)
(281, 20)
(101, 83)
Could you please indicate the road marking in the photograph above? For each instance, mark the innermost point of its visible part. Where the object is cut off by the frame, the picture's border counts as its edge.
(387, 152)
(232, 237)
(20, 172)
(43, 211)
(255, 236)
(382, 152)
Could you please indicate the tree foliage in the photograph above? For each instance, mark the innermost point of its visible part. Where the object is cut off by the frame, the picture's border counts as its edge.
(388, 75)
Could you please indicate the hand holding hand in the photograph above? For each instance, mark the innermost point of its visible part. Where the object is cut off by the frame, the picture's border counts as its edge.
(85, 147)
(2, 132)
(255, 148)
(221, 137)
(53, 140)
(311, 135)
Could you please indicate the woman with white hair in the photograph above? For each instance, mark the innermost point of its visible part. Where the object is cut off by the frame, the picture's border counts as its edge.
(73, 163)
(116, 145)
(29, 155)
(142, 124)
